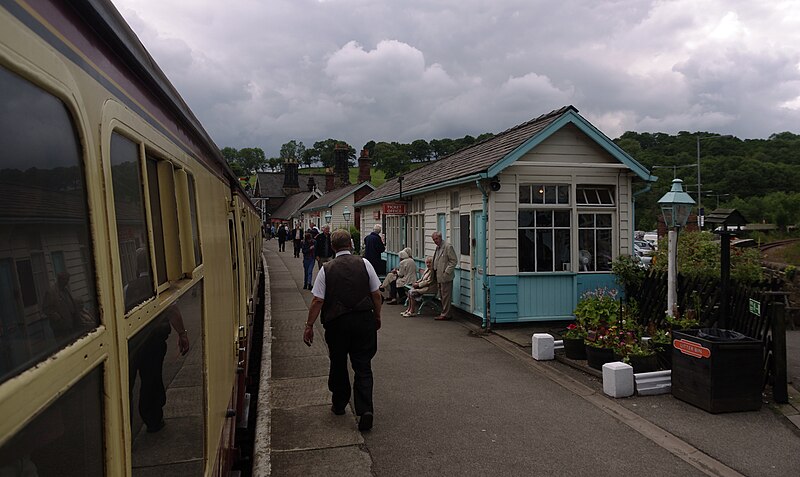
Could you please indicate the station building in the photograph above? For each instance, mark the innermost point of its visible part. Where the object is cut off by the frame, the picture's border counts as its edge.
(536, 214)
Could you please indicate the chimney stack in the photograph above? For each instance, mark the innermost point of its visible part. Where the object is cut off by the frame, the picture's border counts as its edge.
(329, 180)
(312, 184)
(341, 171)
(364, 164)
(291, 184)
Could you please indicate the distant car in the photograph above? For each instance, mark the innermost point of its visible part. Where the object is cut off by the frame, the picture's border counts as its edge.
(651, 238)
(643, 252)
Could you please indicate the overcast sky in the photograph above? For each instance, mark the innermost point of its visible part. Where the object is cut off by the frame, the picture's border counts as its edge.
(259, 73)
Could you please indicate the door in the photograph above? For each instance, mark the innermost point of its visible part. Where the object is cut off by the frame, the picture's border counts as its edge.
(478, 273)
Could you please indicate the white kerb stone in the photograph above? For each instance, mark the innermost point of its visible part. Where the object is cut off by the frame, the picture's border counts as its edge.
(542, 348)
(618, 379)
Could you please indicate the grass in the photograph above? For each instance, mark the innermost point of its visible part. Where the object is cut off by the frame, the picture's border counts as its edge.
(791, 254)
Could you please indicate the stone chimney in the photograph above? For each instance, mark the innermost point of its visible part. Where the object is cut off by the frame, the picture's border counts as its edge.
(291, 185)
(364, 163)
(312, 184)
(329, 180)
(341, 171)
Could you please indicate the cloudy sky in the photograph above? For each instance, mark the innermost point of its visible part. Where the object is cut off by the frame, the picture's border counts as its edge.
(259, 73)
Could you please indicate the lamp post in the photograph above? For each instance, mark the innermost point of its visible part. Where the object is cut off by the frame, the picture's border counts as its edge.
(346, 215)
(700, 211)
(675, 206)
(328, 217)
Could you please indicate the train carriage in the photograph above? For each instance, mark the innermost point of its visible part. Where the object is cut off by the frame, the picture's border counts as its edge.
(129, 257)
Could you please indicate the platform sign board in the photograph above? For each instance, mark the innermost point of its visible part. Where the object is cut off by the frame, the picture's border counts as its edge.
(755, 307)
(394, 208)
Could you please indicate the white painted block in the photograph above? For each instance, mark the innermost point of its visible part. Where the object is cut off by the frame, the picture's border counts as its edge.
(618, 379)
(542, 348)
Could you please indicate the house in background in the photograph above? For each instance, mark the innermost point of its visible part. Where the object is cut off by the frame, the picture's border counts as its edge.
(272, 189)
(536, 214)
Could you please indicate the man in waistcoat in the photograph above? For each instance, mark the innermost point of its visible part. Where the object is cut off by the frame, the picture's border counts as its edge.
(346, 292)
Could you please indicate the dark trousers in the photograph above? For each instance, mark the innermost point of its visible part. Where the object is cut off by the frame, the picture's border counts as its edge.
(308, 269)
(148, 362)
(353, 335)
(297, 245)
(281, 244)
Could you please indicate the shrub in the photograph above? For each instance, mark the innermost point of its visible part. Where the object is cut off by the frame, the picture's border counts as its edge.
(699, 256)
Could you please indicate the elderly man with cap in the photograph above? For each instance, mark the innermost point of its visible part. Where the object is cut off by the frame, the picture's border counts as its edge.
(346, 292)
(373, 248)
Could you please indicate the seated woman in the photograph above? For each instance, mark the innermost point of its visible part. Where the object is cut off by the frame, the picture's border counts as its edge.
(397, 278)
(425, 285)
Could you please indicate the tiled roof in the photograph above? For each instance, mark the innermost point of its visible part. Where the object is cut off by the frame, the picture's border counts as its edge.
(39, 205)
(468, 161)
(334, 196)
(270, 184)
(293, 204)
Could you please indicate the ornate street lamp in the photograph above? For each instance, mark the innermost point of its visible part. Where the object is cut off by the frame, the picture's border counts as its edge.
(675, 207)
(346, 215)
(328, 216)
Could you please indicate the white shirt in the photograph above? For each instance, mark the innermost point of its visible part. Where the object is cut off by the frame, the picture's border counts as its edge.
(319, 284)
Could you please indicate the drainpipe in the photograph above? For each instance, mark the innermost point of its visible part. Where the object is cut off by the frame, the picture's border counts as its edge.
(486, 325)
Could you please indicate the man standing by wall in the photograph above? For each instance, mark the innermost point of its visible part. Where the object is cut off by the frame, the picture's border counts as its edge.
(323, 251)
(297, 238)
(346, 292)
(444, 264)
(373, 248)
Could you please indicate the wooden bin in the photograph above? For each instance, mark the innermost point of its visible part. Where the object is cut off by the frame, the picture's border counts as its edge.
(717, 375)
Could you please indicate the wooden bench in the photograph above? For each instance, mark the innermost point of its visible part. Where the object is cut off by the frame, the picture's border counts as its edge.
(431, 299)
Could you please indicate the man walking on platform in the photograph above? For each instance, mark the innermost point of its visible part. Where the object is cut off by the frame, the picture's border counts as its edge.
(444, 265)
(346, 292)
(297, 239)
(323, 251)
(373, 248)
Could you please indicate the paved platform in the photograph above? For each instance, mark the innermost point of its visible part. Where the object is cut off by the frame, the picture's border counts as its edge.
(453, 400)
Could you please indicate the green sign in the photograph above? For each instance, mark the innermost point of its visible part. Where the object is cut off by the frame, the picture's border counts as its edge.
(755, 307)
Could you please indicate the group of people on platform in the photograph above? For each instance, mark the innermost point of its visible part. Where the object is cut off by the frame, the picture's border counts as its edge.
(348, 294)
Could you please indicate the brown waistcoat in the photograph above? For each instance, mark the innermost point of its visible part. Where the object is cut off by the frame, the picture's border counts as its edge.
(346, 287)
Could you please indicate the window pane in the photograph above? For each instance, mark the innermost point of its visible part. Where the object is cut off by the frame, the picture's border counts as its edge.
(562, 218)
(563, 194)
(198, 256)
(166, 389)
(526, 250)
(585, 220)
(550, 194)
(544, 218)
(66, 439)
(526, 218)
(43, 216)
(155, 213)
(134, 247)
(603, 242)
(465, 232)
(605, 197)
(538, 194)
(586, 254)
(544, 250)
(524, 194)
(562, 252)
(603, 220)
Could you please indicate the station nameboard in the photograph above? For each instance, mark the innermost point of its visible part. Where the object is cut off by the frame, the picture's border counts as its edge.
(394, 208)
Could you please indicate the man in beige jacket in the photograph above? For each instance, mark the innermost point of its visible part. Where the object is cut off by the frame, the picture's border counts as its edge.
(444, 264)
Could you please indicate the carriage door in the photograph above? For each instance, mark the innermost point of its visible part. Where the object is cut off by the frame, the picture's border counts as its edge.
(478, 273)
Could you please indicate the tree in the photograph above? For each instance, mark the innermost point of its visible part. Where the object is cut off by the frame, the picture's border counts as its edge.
(293, 150)
(323, 152)
(245, 162)
(419, 151)
(391, 159)
(275, 163)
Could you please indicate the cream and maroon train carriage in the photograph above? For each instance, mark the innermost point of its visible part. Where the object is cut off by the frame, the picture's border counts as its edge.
(128, 257)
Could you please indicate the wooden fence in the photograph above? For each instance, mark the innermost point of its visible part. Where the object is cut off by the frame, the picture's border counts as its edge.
(765, 321)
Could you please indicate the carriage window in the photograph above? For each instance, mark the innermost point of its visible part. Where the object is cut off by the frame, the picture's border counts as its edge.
(134, 247)
(198, 256)
(166, 390)
(66, 439)
(158, 225)
(47, 287)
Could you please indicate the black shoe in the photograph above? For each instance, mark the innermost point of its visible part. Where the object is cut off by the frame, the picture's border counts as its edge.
(338, 412)
(157, 427)
(365, 423)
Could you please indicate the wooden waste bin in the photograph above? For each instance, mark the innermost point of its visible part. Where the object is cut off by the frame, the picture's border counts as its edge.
(717, 370)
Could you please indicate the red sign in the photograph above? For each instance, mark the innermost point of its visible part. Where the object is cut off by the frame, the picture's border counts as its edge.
(394, 208)
(695, 350)
(376, 215)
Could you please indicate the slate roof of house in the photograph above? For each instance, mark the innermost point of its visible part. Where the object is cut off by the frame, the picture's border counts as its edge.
(293, 204)
(327, 200)
(479, 157)
(270, 184)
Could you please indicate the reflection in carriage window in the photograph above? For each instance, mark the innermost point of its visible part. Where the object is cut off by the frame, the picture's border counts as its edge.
(66, 439)
(134, 249)
(47, 288)
(166, 390)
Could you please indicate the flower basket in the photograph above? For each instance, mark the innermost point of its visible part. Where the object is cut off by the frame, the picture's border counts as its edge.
(643, 363)
(574, 348)
(597, 357)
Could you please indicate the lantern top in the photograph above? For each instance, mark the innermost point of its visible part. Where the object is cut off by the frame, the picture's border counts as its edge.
(676, 195)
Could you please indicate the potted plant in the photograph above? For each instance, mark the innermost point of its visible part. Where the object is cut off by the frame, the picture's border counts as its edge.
(640, 356)
(600, 346)
(573, 337)
(599, 312)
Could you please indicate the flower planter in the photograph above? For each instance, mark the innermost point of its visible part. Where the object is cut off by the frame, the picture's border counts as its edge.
(574, 348)
(597, 357)
(663, 355)
(644, 364)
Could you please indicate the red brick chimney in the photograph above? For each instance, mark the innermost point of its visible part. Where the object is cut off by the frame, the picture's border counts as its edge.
(329, 177)
(341, 171)
(364, 163)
